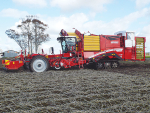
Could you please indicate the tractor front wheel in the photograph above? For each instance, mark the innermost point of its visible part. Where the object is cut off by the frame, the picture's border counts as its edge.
(39, 64)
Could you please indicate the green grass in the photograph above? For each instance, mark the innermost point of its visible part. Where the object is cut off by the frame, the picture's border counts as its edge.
(147, 56)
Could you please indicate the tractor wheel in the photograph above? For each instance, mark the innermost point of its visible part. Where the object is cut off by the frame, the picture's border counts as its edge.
(115, 64)
(99, 65)
(26, 66)
(39, 64)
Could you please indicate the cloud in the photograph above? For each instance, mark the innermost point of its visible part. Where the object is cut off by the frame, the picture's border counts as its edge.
(15, 26)
(31, 3)
(102, 27)
(13, 13)
(62, 22)
(8, 44)
(82, 22)
(68, 5)
(142, 3)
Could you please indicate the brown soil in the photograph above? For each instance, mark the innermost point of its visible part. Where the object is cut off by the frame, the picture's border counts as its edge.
(138, 68)
(125, 89)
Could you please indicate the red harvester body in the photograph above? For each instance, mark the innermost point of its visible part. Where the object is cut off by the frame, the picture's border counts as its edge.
(98, 51)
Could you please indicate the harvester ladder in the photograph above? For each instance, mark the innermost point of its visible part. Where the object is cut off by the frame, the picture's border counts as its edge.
(139, 48)
(80, 60)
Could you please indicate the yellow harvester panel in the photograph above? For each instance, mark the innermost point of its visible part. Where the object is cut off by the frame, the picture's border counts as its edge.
(91, 43)
(73, 34)
(139, 48)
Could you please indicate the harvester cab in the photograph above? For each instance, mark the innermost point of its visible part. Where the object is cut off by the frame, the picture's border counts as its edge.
(68, 43)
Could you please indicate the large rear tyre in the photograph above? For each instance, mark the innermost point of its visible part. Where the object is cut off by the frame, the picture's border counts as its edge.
(39, 64)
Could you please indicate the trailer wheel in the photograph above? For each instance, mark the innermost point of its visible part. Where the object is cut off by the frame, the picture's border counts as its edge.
(99, 65)
(114, 64)
(39, 64)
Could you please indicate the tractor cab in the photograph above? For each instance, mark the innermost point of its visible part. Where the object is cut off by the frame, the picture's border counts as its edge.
(68, 43)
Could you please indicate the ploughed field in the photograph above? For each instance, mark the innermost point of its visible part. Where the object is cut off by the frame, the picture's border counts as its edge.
(125, 89)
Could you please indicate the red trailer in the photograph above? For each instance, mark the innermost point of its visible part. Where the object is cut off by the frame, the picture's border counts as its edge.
(78, 49)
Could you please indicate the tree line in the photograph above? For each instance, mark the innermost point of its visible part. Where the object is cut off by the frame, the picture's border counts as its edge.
(32, 34)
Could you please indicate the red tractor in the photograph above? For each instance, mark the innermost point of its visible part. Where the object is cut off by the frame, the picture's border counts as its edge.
(98, 51)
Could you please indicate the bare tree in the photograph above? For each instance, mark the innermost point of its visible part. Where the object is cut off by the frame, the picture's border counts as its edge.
(39, 36)
(22, 42)
(32, 33)
(26, 31)
(33, 29)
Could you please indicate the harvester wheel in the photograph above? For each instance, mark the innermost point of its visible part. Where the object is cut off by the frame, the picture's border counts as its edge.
(107, 65)
(114, 64)
(39, 64)
(57, 67)
(99, 65)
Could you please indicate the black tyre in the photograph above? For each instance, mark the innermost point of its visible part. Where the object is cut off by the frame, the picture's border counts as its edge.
(107, 65)
(115, 64)
(57, 68)
(57, 65)
(99, 65)
(39, 64)
(26, 66)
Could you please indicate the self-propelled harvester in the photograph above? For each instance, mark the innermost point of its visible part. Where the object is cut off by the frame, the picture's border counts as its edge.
(81, 50)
